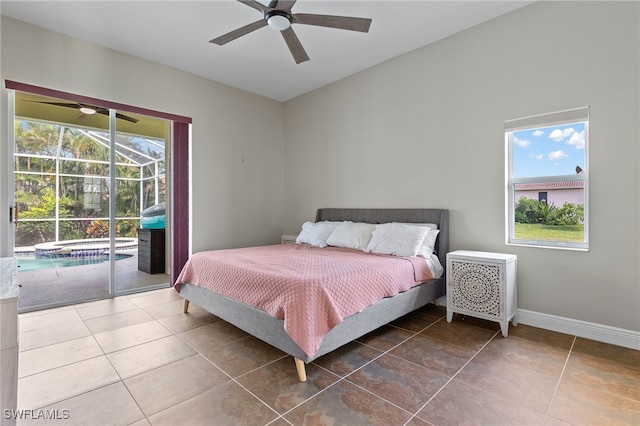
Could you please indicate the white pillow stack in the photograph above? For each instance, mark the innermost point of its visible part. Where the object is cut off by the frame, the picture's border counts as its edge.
(398, 239)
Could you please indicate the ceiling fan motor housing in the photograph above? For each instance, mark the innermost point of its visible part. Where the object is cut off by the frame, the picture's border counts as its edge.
(278, 19)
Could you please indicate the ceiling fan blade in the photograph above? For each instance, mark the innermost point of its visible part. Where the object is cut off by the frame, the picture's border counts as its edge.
(290, 37)
(75, 105)
(230, 36)
(285, 5)
(126, 118)
(256, 5)
(62, 104)
(340, 22)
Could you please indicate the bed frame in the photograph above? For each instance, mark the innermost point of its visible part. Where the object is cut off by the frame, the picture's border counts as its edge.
(271, 330)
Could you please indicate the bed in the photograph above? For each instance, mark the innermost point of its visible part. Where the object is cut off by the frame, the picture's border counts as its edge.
(270, 329)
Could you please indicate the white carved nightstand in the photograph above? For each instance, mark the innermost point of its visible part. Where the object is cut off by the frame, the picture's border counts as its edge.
(289, 239)
(483, 285)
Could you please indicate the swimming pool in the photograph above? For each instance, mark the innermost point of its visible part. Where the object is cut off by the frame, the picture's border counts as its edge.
(33, 263)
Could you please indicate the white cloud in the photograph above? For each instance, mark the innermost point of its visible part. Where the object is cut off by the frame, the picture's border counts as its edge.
(577, 140)
(556, 135)
(538, 156)
(538, 133)
(560, 135)
(523, 143)
(555, 155)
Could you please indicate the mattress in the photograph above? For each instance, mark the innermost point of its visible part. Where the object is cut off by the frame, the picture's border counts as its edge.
(311, 289)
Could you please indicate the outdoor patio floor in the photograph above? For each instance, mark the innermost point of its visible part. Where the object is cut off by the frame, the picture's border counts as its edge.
(74, 284)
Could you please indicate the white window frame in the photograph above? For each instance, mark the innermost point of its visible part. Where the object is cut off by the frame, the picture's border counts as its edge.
(576, 115)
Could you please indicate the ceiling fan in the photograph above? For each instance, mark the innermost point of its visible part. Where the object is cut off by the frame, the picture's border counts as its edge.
(278, 16)
(86, 109)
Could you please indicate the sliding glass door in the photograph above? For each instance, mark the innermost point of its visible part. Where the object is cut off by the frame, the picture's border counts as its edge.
(140, 204)
(84, 177)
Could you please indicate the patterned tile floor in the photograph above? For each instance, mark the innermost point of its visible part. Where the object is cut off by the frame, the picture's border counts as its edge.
(138, 360)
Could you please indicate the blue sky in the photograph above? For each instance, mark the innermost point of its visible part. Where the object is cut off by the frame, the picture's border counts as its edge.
(549, 151)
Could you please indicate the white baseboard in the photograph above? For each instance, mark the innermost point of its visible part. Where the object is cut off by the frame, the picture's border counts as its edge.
(588, 330)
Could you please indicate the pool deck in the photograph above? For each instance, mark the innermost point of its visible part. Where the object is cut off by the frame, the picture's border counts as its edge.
(24, 250)
(73, 284)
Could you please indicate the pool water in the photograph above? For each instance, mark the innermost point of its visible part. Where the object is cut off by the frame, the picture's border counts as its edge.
(31, 263)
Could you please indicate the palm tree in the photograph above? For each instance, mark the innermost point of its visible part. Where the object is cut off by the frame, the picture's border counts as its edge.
(46, 145)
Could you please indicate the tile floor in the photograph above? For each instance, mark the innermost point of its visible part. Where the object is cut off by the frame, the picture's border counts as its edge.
(138, 360)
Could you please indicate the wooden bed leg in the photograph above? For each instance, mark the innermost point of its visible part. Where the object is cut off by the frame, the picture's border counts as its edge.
(185, 306)
(302, 372)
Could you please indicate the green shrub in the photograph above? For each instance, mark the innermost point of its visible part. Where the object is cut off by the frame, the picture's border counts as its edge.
(99, 229)
(42, 207)
(528, 210)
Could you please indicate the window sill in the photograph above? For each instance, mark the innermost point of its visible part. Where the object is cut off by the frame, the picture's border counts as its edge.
(536, 244)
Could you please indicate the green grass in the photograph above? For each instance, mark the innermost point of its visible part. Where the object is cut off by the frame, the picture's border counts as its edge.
(539, 232)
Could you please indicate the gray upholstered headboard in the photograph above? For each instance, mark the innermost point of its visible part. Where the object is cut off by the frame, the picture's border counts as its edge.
(439, 216)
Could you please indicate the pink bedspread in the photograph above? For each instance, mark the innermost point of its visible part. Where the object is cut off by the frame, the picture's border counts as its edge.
(312, 289)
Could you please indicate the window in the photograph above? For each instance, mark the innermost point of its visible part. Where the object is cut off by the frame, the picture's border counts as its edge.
(547, 180)
(542, 197)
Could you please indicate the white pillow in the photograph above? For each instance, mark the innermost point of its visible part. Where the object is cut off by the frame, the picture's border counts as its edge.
(429, 243)
(316, 233)
(397, 239)
(352, 235)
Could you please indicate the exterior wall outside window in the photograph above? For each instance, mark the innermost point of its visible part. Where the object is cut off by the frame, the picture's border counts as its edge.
(562, 192)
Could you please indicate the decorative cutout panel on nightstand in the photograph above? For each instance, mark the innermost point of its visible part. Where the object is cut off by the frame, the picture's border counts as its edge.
(483, 285)
(476, 287)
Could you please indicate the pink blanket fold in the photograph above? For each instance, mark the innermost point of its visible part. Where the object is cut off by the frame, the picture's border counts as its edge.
(312, 289)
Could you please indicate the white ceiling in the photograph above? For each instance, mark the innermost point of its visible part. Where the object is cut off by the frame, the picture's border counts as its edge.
(177, 33)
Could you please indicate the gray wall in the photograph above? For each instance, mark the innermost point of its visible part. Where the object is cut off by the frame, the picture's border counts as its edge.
(426, 129)
(237, 152)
